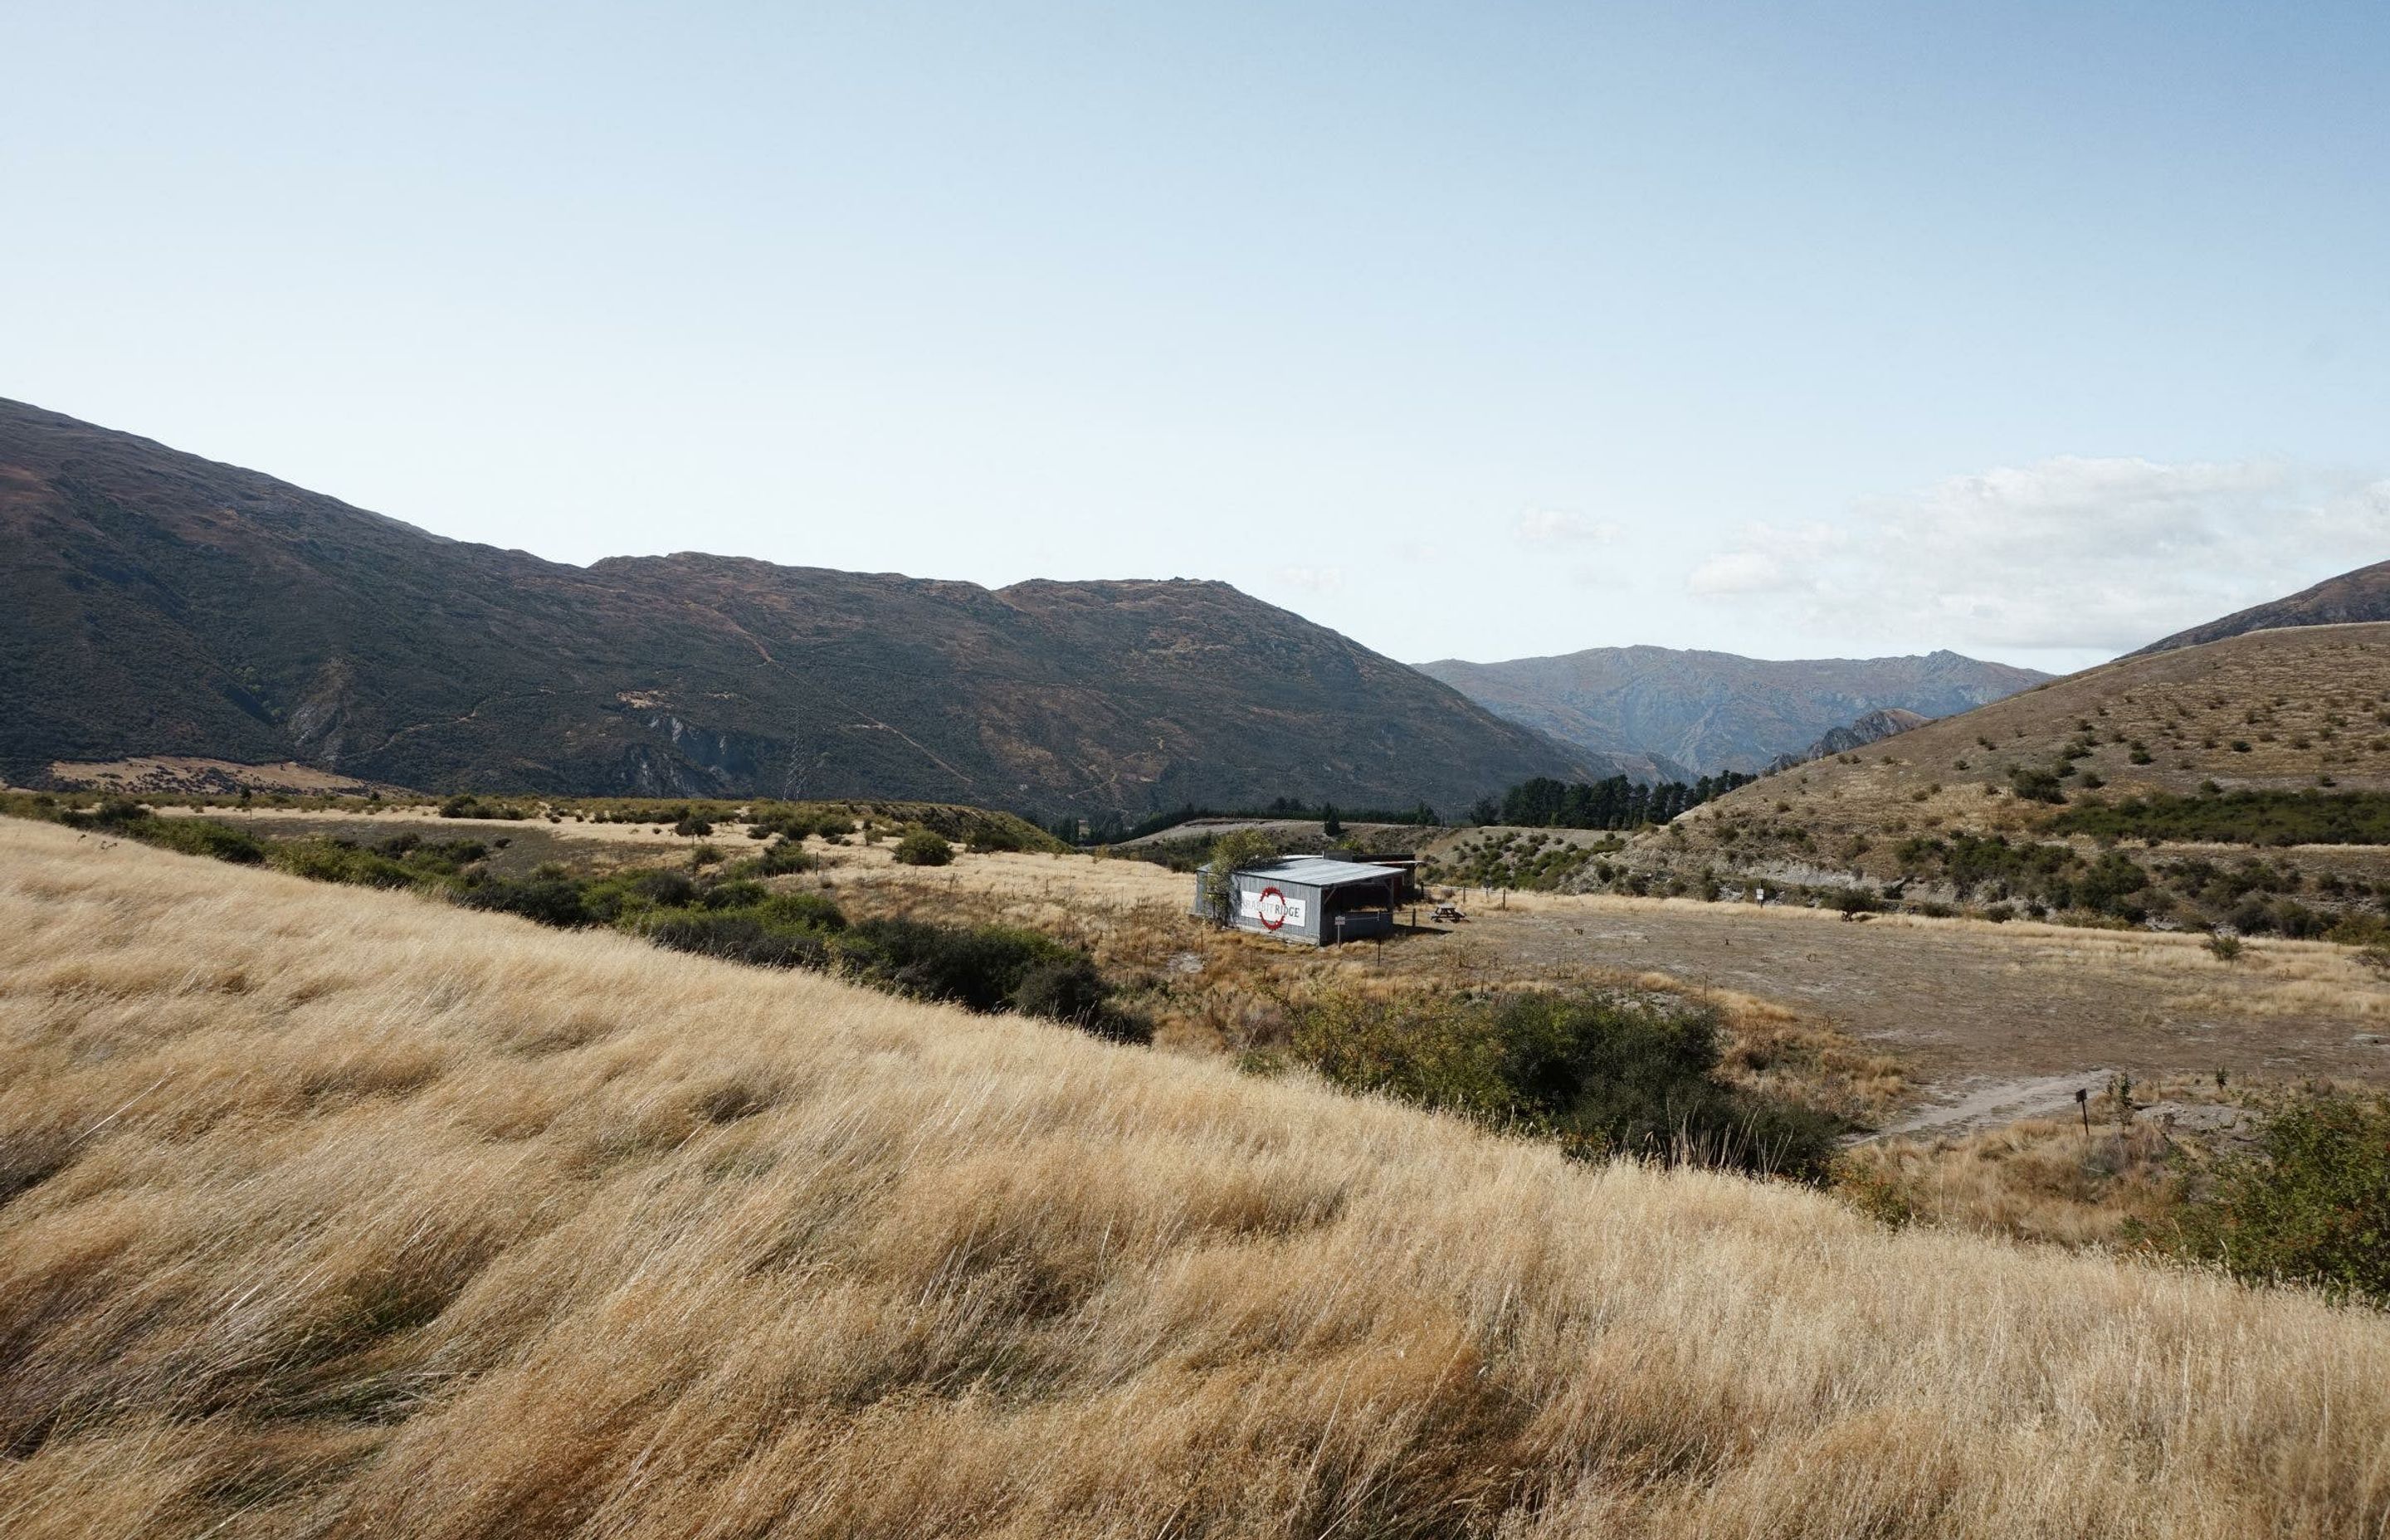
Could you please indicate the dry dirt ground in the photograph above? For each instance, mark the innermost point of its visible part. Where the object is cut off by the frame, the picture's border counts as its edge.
(1990, 1023)
(2001, 1020)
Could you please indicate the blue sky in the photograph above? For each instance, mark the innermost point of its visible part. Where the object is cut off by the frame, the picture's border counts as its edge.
(1483, 330)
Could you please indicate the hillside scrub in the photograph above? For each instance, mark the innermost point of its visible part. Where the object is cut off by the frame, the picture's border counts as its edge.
(502, 1230)
(2251, 896)
(1605, 1076)
(1528, 860)
(2242, 817)
(2309, 1204)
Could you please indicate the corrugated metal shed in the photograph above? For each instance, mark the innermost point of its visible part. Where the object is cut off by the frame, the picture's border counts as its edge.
(1311, 898)
(1318, 871)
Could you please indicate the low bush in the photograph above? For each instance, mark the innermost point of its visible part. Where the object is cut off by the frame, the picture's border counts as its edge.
(2035, 785)
(2241, 817)
(341, 861)
(783, 857)
(1071, 989)
(2309, 1204)
(203, 837)
(1605, 1076)
(739, 937)
(550, 900)
(445, 857)
(922, 847)
(981, 968)
(806, 911)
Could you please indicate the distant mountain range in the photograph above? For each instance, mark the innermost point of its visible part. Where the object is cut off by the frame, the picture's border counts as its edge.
(1709, 711)
(156, 603)
(2352, 597)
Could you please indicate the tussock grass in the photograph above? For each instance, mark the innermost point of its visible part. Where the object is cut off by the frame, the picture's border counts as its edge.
(343, 1212)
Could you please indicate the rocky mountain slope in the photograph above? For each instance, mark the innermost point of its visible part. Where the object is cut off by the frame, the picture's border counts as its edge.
(1709, 711)
(2352, 597)
(1874, 727)
(158, 603)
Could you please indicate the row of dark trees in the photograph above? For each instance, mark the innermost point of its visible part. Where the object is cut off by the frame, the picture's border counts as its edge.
(1540, 803)
(1614, 803)
(1110, 829)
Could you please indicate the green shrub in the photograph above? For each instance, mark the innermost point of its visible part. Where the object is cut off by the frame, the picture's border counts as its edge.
(2035, 784)
(1061, 989)
(550, 901)
(439, 857)
(202, 837)
(2241, 817)
(922, 847)
(1238, 849)
(778, 859)
(2309, 1204)
(1071, 989)
(110, 815)
(801, 911)
(981, 968)
(1605, 1076)
(662, 888)
(739, 937)
(340, 861)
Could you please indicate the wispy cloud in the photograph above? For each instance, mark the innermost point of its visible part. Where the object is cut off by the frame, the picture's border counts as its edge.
(2067, 553)
(1545, 527)
(1311, 580)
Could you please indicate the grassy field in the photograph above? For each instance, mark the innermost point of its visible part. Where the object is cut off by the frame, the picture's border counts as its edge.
(337, 1211)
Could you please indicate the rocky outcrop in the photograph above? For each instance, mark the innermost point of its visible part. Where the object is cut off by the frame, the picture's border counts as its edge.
(1851, 737)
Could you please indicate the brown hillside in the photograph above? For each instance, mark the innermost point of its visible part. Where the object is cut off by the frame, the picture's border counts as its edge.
(2350, 598)
(157, 604)
(2307, 703)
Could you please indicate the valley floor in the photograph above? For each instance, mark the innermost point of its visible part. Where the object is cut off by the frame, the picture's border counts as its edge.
(1988, 1021)
(335, 1212)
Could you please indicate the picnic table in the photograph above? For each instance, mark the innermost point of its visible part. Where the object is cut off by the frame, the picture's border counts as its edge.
(1449, 913)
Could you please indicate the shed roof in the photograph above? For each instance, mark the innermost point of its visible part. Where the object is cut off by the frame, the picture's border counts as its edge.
(1320, 871)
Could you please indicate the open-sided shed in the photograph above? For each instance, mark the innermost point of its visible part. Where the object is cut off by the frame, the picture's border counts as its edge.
(1310, 898)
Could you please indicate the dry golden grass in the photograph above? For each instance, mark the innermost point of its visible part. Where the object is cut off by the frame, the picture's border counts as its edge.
(2045, 1180)
(184, 774)
(350, 1215)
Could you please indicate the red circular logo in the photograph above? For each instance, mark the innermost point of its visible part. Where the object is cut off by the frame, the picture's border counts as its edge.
(1272, 908)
